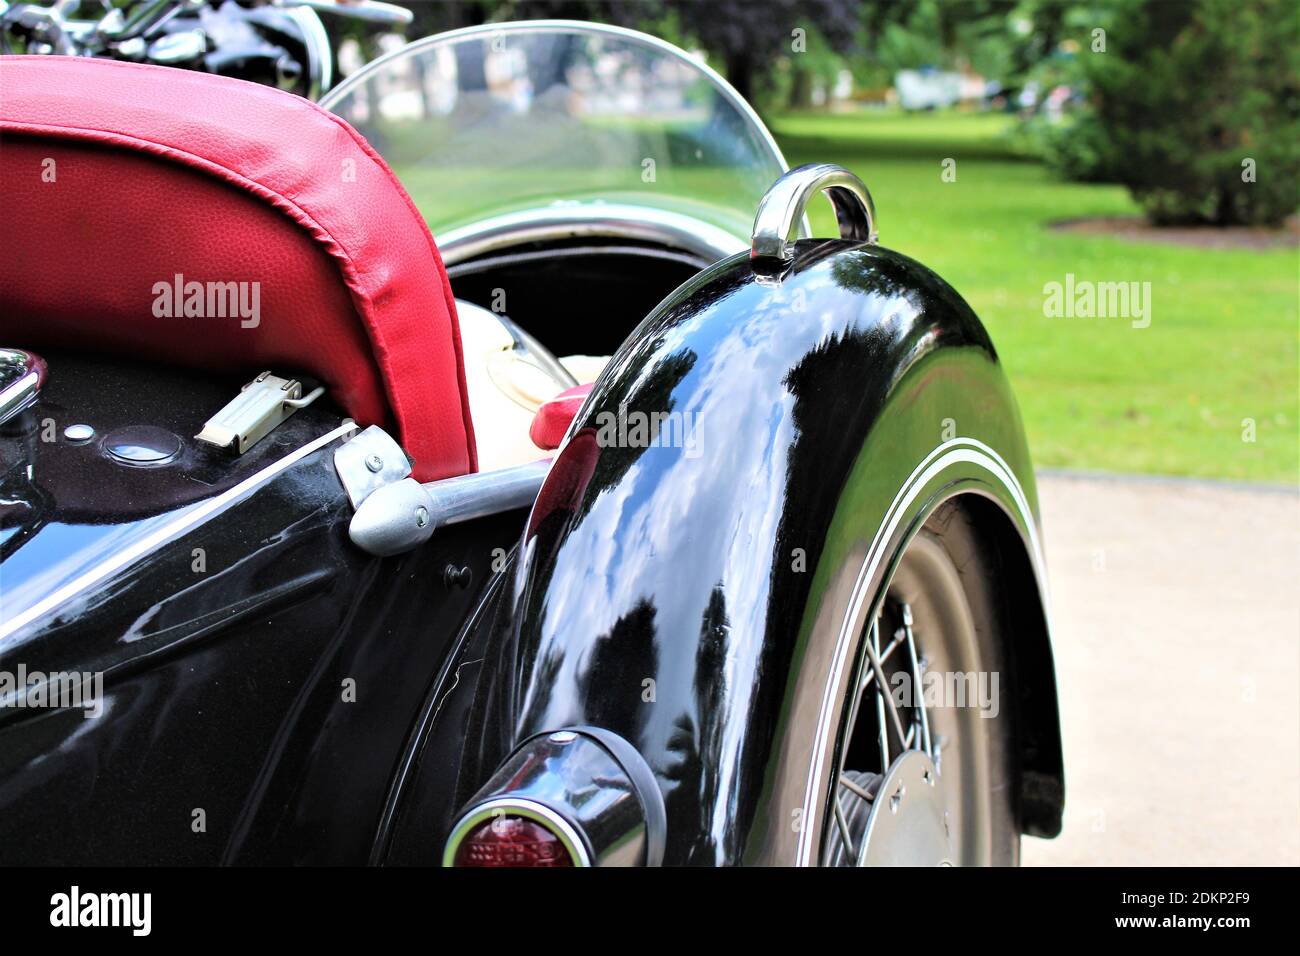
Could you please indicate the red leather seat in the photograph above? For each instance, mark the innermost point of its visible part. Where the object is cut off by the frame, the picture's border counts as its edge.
(118, 177)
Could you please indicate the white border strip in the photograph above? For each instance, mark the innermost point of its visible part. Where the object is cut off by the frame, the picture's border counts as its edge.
(949, 453)
(151, 542)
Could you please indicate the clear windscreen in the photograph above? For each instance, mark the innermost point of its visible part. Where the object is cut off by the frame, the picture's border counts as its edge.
(489, 121)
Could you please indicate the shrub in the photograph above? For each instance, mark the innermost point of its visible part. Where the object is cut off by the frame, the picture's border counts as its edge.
(1186, 98)
(1077, 147)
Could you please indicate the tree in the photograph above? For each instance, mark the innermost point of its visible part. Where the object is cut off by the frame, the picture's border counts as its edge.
(1195, 107)
(750, 37)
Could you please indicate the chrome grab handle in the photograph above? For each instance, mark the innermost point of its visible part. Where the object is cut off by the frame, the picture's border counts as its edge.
(783, 205)
(395, 513)
(22, 374)
(403, 515)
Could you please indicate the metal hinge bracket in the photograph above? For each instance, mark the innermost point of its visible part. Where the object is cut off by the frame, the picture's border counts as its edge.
(367, 462)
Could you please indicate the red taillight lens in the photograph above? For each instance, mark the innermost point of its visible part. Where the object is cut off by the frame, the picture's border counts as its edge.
(511, 841)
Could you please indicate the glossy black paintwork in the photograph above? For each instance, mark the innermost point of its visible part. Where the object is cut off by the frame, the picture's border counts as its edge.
(817, 392)
(223, 689)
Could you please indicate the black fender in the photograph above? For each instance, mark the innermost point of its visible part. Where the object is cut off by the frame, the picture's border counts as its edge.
(686, 586)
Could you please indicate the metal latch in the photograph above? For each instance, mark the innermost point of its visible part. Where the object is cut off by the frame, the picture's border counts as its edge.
(259, 407)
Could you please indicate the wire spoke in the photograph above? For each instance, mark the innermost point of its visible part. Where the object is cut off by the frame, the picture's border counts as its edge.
(897, 721)
(918, 734)
(882, 729)
(870, 675)
(884, 659)
(853, 787)
(918, 690)
(843, 824)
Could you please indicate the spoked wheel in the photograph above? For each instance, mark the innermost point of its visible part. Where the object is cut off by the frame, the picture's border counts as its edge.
(923, 758)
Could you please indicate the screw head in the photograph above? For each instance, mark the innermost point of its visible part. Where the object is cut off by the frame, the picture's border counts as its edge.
(455, 577)
(421, 516)
(78, 433)
(563, 737)
(375, 463)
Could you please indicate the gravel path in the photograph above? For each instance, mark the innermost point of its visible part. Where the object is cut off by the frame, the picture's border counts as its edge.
(1176, 607)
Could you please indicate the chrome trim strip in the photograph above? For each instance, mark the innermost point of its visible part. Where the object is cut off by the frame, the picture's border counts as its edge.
(523, 807)
(578, 26)
(585, 219)
(184, 522)
(950, 452)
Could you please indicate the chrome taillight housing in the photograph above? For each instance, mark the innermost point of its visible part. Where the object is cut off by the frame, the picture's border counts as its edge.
(517, 834)
(580, 796)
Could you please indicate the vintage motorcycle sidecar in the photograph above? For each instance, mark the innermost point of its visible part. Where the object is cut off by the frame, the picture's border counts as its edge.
(306, 561)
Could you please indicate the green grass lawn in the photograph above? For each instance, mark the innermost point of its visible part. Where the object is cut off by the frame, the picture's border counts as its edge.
(1095, 393)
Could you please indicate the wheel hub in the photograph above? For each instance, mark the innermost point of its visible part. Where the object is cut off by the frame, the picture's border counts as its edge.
(908, 824)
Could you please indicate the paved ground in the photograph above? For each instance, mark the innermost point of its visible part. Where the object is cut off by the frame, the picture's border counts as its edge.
(1177, 614)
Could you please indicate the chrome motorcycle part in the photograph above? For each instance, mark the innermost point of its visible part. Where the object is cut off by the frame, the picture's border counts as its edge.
(368, 11)
(783, 207)
(178, 48)
(587, 786)
(22, 373)
(402, 515)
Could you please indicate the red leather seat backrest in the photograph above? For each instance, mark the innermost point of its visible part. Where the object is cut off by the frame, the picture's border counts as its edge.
(121, 180)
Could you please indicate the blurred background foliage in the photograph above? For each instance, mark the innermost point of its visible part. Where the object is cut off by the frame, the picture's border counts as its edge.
(1183, 95)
